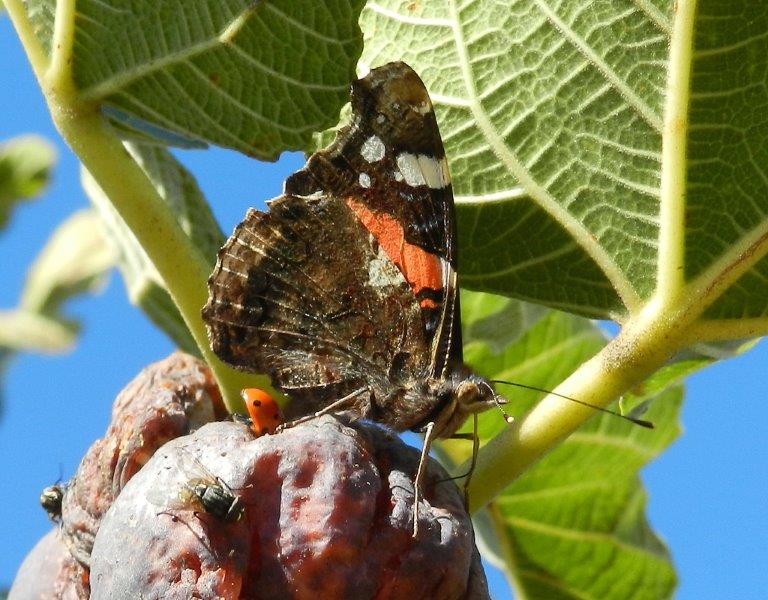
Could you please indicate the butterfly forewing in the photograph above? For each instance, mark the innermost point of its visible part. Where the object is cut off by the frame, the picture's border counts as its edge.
(390, 165)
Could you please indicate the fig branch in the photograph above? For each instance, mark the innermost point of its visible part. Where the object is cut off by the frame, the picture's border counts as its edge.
(643, 346)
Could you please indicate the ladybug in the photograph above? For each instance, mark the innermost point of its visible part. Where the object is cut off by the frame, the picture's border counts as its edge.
(263, 410)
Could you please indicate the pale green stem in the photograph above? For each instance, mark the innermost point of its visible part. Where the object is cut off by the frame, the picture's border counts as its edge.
(671, 255)
(37, 58)
(183, 269)
(643, 346)
(63, 40)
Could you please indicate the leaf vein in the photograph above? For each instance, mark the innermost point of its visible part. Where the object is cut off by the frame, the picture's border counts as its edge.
(282, 76)
(644, 110)
(654, 14)
(599, 254)
(490, 197)
(623, 442)
(582, 536)
(227, 97)
(302, 27)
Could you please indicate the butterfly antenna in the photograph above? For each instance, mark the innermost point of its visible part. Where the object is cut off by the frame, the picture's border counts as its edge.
(499, 401)
(636, 421)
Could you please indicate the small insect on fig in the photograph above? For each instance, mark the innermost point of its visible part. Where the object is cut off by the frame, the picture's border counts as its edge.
(263, 410)
(202, 492)
(51, 499)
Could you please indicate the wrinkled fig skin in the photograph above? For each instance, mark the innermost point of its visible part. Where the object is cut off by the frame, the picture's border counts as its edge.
(327, 515)
(326, 509)
(49, 573)
(167, 399)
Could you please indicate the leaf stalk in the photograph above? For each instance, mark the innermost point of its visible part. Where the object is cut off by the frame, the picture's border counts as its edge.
(647, 341)
(84, 128)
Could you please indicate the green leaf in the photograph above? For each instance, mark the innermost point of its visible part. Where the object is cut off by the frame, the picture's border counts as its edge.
(25, 168)
(550, 113)
(497, 321)
(572, 526)
(727, 206)
(74, 261)
(259, 77)
(25, 331)
(178, 188)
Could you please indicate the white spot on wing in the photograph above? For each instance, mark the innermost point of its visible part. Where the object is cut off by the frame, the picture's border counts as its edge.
(434, 170)
(382, 272)
(423, 169)
(409, 167)
(372, 149)
(423, 108)
(365, 180)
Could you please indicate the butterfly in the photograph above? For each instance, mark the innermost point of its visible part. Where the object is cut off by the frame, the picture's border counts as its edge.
(345, 291)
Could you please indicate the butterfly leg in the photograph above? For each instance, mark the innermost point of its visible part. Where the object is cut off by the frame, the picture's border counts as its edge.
(428, 438)
(468, 475)
(336, 406)
(475, 450)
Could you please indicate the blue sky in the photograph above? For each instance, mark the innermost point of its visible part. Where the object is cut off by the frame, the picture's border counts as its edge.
(707, 495)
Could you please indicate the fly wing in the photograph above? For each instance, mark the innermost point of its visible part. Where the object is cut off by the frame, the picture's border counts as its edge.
(173, 491)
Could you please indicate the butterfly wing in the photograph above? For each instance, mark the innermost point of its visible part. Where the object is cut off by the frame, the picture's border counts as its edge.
(390, 164)
(305, 293)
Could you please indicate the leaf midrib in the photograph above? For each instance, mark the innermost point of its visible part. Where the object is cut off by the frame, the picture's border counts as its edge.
(605, 261)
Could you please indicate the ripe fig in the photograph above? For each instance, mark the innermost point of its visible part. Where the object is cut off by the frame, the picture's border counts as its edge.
(172, 503)
(326, 514)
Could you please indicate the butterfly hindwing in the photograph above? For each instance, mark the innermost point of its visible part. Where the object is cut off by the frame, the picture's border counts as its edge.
(304, 293)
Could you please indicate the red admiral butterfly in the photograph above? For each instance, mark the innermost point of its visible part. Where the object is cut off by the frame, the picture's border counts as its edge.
(346, 291)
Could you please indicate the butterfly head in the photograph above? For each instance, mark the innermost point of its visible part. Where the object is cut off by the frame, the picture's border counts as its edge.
(460, 397)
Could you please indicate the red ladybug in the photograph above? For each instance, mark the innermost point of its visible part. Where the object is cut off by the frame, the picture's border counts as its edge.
(263, 410)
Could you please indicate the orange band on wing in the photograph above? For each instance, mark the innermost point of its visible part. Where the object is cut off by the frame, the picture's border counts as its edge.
(421, 269)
